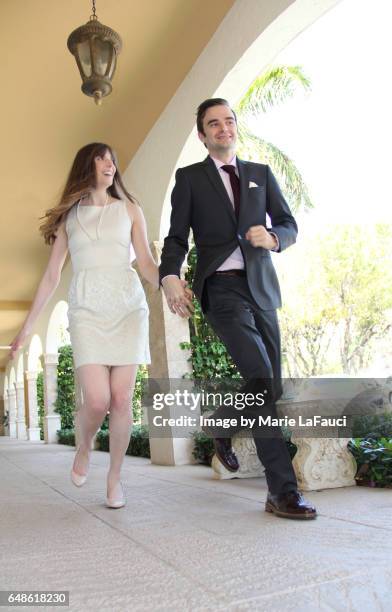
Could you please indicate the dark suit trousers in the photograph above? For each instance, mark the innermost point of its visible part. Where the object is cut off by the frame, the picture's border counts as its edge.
(252, 338)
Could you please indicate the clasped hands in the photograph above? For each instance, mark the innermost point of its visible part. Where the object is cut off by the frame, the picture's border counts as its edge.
(178, 296)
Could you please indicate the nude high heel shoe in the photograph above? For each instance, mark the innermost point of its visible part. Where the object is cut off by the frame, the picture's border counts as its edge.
(78, 479)
(118, 502)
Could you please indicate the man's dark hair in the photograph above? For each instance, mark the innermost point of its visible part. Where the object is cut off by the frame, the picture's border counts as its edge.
(201, 111)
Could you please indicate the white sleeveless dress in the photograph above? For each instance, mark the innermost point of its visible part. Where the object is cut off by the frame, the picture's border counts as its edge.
(108, 312)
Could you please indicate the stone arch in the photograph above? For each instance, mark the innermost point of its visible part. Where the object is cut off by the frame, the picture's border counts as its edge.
(35, 352)
(57, 332)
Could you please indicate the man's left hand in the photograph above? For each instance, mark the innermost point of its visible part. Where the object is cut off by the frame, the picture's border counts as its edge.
(258, 236)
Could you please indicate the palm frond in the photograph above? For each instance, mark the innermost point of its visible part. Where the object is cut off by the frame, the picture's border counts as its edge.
(272, 87)
(293, 186)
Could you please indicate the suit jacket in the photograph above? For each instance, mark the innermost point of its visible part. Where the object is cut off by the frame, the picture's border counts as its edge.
(200, 202)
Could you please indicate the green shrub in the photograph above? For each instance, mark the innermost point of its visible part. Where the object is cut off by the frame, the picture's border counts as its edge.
(139, 445)
(66, 436)
(103, 440)
(203, 449)
(373, 426)
(374, 461)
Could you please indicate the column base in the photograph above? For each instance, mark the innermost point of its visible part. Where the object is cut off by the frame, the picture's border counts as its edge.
(34, 434)
(21, 432)
(52, 423)
(171, 451)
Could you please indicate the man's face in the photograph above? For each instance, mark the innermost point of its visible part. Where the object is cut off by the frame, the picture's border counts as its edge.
(220, 129)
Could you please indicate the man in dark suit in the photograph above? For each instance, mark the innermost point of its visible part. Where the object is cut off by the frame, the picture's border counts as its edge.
(226, 202)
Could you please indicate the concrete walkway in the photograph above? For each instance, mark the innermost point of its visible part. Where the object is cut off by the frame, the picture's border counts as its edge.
(185, 541)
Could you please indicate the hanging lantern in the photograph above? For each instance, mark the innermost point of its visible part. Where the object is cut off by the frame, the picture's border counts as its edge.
(95, 47)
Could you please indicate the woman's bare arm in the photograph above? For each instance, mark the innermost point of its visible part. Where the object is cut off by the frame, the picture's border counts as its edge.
(46, 287)
(145, 261)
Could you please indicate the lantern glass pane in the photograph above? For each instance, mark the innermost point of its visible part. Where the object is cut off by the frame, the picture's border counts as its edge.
(85, 57)
(112, 66)
(101, 56)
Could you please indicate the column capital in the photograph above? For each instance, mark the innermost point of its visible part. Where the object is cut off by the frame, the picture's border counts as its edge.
(50, 358)
(11, 392)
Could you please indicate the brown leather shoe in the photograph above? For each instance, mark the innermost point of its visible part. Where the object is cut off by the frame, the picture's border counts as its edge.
(225, 454)
(290, 505)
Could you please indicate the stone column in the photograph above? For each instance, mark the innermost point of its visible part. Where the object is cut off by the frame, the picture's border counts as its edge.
(12, 412)
(33, 432)
(2, 415)
(168, 362)
(21, 432)
(52, 421)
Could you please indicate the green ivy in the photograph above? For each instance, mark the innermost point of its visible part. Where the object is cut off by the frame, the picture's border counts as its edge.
(65, 403)
(40, 401)
(142, 375)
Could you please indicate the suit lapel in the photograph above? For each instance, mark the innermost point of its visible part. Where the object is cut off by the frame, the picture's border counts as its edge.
(216, 180)
(244, 187)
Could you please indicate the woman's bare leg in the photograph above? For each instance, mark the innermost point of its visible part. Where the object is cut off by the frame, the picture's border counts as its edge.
(122, 384)
(94, 381)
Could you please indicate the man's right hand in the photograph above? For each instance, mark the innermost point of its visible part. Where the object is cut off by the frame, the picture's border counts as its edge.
(177, 296)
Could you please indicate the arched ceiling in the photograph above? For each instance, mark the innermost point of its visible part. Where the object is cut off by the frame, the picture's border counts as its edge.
(45, 118)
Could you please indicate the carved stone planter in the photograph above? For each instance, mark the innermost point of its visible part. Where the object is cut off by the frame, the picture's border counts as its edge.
(245, 449)
(322, 461)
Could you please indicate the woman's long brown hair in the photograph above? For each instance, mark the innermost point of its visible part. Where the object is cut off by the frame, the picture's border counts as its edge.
(81, 181)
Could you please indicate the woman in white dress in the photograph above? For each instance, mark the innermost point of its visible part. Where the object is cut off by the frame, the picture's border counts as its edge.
(99, 223)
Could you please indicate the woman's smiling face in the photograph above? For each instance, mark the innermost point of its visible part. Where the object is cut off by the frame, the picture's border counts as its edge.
(105, 170)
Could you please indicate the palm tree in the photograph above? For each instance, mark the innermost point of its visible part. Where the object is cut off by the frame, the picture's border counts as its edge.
(273, 87)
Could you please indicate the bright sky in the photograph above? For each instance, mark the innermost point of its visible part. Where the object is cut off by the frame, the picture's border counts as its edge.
(340, 134)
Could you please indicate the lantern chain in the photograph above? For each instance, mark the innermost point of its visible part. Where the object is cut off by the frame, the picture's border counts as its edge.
(93, 17)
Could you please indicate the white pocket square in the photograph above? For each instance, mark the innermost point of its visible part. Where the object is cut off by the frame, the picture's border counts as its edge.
(252, 184)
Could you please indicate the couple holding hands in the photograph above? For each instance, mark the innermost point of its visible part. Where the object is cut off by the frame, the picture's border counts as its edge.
(225, 201)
